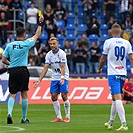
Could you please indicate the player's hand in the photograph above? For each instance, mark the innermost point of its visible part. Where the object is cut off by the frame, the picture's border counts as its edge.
(36, 83)
(99, 71)
(62, 81)
(41, 18)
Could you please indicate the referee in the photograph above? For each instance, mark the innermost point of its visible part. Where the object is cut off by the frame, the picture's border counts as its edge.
(17, 53)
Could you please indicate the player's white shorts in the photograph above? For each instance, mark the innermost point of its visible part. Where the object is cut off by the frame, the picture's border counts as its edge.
(56, 87)
(116, 83)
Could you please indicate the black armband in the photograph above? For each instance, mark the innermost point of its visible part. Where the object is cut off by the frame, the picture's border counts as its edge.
(41, 24)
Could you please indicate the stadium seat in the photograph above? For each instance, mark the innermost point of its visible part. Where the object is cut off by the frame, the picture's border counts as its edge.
(102, 18)
(61, 40)
(20, 15)
(80, 18)
(70, 29)
(94, 14)
(70, 37)
(104, 29)
(80, 6)
(44, 38)
(93, 38)
(103, 37)
(28, 35)
(129, 68)
(14, 36)
(73, 6)
(71, 18)
(82, 28)
(79, 37)
(28, 4)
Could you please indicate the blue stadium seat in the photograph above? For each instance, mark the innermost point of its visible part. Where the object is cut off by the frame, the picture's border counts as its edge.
(104, 29)
(80, 6)
(70, 29)
(93, 38)
(20, 15)
(71, 18)
(82, 28)
(79, 37)
(28, 4)
(61, 40)
(80, 18)
(73, 6)
(103, 37)
(28, 35)
(70, 37)
(44, 38)
(102, 18)
(129, 68)
(14, 36)
(94, 14)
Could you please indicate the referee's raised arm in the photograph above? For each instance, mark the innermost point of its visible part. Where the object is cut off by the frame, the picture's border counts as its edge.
(40, 25)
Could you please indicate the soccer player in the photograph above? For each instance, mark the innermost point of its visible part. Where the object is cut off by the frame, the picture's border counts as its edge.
(116, 50)
(17, 52)
(56, 58)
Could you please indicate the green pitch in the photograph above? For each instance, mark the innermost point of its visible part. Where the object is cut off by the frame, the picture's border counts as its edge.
(84, 119)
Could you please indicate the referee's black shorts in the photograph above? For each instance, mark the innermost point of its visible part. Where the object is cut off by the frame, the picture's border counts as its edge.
(18, 79)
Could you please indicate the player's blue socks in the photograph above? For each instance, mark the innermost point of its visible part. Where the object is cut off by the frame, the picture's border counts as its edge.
(10, 105)
(24, 108)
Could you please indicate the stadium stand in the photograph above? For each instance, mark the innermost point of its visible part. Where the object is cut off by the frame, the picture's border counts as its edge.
(75, 24)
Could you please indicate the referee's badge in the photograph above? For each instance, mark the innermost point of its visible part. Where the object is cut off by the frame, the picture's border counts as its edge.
(31, 39)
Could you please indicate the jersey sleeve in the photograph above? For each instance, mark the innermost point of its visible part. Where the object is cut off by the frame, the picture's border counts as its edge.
(130, 49)
(63, 57)
(47, 61)
(6, 52)
(105, 48)
(30, 41)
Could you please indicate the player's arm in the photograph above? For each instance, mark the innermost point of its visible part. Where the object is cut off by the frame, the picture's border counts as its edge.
(5, 56)
(127, 92)
(101, 63)
(5, 61)
(39, 29)
(44, 71)
(62, 67)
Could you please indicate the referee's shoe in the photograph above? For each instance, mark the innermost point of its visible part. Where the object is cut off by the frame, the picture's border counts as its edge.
(25, 122)
(9, 119)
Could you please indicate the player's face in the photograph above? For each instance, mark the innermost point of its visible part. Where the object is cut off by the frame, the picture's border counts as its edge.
(130, 81)
(54, 45)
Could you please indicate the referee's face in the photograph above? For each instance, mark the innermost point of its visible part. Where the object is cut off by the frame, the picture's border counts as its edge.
(54, 45)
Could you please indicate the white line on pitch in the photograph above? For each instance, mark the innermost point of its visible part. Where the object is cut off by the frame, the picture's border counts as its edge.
(16, 129)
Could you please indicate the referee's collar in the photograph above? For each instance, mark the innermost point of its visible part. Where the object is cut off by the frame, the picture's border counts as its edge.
(116, 37)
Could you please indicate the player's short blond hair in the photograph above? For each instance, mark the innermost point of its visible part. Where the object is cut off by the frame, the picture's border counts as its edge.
(116, 29)
(53, 38)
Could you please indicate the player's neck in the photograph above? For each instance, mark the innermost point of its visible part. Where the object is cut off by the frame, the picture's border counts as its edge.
(116, 35)
(55, 51)
(19, 39)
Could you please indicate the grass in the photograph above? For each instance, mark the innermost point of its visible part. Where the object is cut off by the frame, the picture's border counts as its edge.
(84, 119)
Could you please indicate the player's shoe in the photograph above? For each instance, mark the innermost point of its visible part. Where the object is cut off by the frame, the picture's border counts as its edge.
(122, 128)
(57, 120)
(9, 119)
(25, 122)
(67, 119)
(108, 126)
